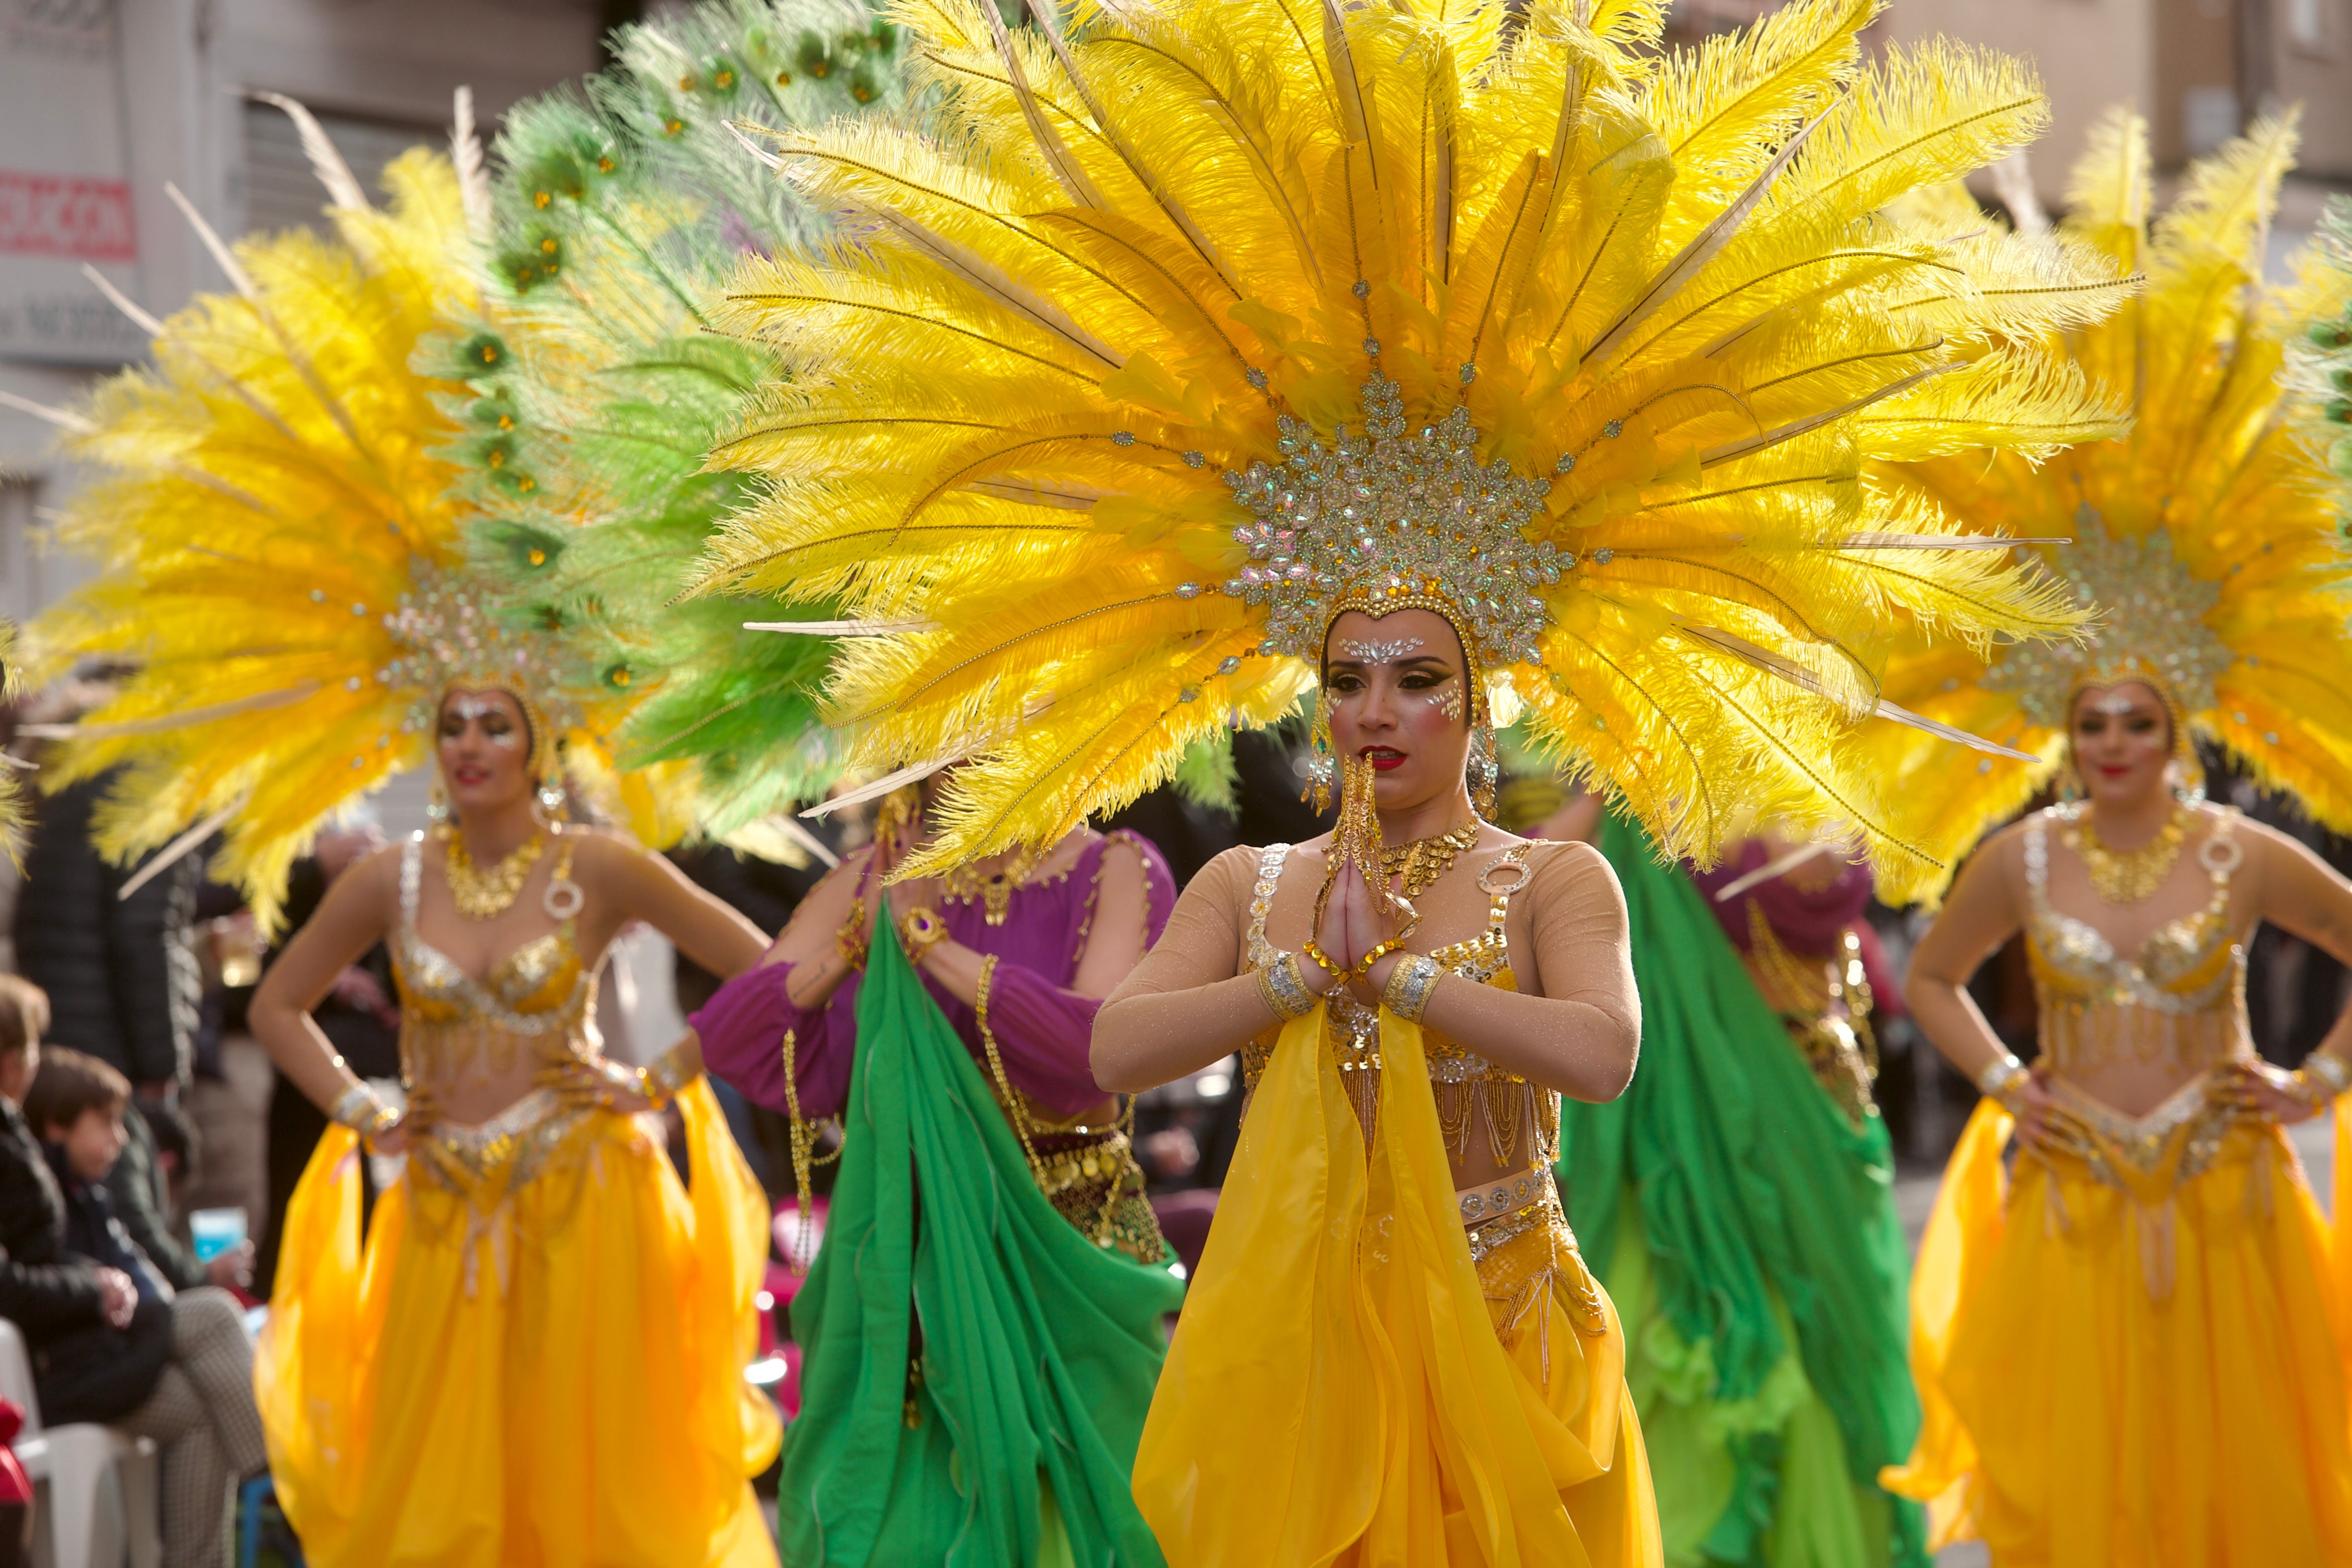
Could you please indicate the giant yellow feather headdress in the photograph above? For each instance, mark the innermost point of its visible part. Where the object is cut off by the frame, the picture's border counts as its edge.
(2203, 538)
(283, 562)
(1164, 341)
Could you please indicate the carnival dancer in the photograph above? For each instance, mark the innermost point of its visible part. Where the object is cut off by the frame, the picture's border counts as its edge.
(1739, 1203)
(983, 1327)
(536, 1355)
(2126, 1319)
(1172, 342)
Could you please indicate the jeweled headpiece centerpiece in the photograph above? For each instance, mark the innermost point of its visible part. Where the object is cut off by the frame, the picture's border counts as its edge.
(1390, 519)
(2152, 627)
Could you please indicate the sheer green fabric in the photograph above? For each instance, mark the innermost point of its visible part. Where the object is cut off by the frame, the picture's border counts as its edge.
(1748, 1233)
(1039, 1349)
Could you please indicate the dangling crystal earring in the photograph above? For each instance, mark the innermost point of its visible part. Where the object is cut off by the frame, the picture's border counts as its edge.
(2189, 781)
(1321, 770)
(2070, 783)
(1485, 773)
(436, 801)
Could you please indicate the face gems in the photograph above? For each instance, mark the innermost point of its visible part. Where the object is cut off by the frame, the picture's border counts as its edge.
(1449, 699)
(2115, 705)
(1382, 652)
(473, 708)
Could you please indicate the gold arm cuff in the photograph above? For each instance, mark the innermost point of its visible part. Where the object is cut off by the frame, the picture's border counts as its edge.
(1410, 984)
(2320, 1079)
(673, 1069)
(362, 1109)
(1284, 988)
(1997, 1080)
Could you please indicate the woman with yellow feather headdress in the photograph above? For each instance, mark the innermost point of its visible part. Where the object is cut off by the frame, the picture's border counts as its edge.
(537, 1355)
(1462, 359)
(2127, 1341)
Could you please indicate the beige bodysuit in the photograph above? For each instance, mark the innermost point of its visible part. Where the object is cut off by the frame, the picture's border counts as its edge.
(1549, 915)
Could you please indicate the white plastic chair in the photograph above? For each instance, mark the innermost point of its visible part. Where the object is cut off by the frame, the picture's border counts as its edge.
(103, 1486)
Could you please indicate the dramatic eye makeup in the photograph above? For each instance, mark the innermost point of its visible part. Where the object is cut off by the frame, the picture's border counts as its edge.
(498, 726)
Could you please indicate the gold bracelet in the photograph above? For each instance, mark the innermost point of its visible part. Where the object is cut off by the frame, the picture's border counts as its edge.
(851, 941)
(1409, 984)
(670, 1073)
(1374, 956)
(1284, 988)
(362, 1109)
(2330, 1069)
(919, 931)
(1999, 1080)
(1338, 976)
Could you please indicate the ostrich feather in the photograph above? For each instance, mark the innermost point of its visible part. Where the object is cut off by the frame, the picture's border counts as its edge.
(1641, 276)
(2210, 467)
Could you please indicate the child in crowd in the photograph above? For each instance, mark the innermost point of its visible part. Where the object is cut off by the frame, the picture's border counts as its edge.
(110, 1340)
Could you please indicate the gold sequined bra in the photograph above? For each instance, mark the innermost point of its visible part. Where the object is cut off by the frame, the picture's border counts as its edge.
(2179, 1002)
(536, 1002)
(1520, 1121)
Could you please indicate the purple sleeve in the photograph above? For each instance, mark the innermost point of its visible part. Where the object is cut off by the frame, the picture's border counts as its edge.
(742, 1032)
(1044, 1033)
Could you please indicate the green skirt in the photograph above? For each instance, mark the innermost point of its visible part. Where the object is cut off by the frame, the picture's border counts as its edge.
(1007, 1442)
(1746, 1230)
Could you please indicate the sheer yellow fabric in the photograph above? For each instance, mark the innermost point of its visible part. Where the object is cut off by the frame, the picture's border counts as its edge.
(1347, 1387)
(2146, 1372)
(541, 1368)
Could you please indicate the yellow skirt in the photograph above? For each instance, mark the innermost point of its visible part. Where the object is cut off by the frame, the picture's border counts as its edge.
(1348, 1386)
(2129, 1366)
(537, 1360)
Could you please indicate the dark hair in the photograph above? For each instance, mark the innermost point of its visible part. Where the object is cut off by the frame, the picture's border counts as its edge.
(24, 1013)
(173, 1132)
(69, 1084)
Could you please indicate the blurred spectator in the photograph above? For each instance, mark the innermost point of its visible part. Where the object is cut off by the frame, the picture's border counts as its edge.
(121, 973)
(93, 1358)
(198, 1402)
(140, 1189)
(358, 1018)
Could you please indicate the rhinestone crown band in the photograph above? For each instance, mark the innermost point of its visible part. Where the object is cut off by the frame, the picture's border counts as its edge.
(2153, 625)
(1385, 521)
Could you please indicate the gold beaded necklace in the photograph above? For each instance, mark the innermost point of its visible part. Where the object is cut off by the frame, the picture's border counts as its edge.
(964, 882)
(2128, 876)
(487, 895)
(1422, 860)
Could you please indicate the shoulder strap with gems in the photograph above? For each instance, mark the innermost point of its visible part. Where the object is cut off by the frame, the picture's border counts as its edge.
(1269, 873)
(412, 867)
(2037, 858)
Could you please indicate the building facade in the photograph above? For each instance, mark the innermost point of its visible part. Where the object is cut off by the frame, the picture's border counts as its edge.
(105, 103)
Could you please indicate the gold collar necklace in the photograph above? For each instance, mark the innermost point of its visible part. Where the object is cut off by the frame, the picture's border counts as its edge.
(2128, 876)
(1421, 861)
(487, 895)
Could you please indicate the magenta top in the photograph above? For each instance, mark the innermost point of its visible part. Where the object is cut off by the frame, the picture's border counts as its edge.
(1808, 921)
(1042, 1028)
